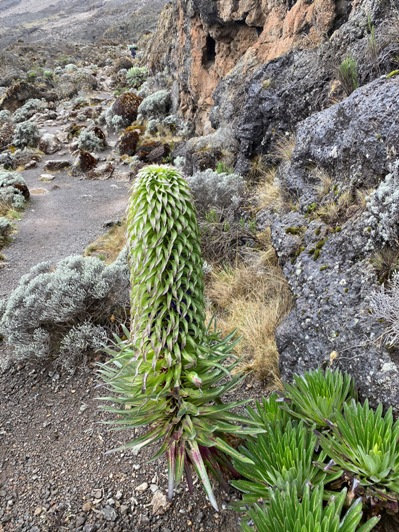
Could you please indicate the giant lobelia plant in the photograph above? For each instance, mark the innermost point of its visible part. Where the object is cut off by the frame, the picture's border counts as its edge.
(170, 373)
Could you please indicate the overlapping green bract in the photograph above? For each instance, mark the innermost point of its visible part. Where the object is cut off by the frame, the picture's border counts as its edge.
(366, 444)
(168, 307)
(287, 511)
(318, 395)
(170, 373)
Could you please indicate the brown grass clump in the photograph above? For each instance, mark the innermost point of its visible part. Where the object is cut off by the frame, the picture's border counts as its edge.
(108, 246)
(284, 148)
(269, 193)
(252, 298)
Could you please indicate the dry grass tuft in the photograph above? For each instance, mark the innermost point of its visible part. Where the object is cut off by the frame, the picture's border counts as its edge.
(269, 193)
(108, 246)
(325, 183)
(252, 298)
(4, 208)
(284, 148)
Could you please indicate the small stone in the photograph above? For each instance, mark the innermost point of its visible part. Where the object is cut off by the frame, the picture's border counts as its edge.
(159, 503)
(80, 520)
(38, 511)
(118, 495)
(86, 506)
(142, 488)
(97, 493)
(57, 165)
(124, 509)
(109, 513)
(46, 177)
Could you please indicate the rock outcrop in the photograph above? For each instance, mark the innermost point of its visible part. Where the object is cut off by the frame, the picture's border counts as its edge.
(259, 67)
(343, 173)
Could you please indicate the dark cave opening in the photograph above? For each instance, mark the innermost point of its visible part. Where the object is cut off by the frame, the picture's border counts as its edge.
(209, 52)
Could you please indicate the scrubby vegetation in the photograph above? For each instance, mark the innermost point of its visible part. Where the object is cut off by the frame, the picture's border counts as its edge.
(136, 76)
(65, 313)
(26, 134)
(155, 105)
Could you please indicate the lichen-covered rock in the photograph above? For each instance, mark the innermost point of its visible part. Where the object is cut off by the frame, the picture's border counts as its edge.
(126, 106)
(353, 141)
(20, 92)
(344, 177)
(153, 152)
(84, 162)
(127, 144)
(49, 143)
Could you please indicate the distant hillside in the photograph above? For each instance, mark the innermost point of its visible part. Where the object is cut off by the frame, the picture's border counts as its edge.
(88, 21)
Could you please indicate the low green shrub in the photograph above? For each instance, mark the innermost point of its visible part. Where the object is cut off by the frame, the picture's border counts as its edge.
(284, 454)
(356, 448)
(318, 395)
(365, 443)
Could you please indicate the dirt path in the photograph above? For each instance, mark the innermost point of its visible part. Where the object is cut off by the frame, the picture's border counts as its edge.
(62, 218)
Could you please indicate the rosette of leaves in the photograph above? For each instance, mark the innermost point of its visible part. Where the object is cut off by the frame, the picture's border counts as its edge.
(318, 395)
(268, 412)
(365, 444)
(292, 511)
(170, 373)
(284, 453)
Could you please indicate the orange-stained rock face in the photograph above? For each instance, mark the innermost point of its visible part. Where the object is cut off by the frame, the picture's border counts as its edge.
(211, 40)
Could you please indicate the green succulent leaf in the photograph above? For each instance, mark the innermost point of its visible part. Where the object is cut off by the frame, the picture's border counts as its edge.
(366, 443)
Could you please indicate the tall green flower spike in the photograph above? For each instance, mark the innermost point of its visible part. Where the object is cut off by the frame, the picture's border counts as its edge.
(171, 371)
(168, 307)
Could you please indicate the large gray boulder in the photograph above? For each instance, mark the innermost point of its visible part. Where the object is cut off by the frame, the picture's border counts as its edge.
(344, 174)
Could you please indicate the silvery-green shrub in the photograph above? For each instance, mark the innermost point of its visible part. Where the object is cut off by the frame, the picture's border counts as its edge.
(31, 107)
(65, 312)
(136, 76)
(155, 105)
(26, 134)
(213, 191)
(5, 116)
(89, 141)
(10, 189)
(5, 229)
